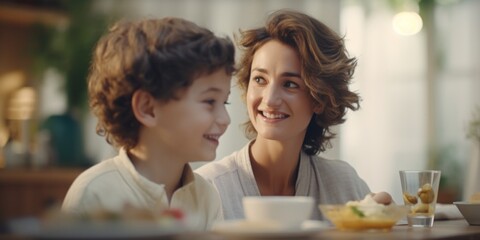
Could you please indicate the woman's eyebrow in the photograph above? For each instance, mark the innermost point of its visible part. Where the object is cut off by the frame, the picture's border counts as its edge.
(262, 70)
(291, 74)
(285, 74)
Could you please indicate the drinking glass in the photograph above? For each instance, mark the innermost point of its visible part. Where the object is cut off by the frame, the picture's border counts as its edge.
(420, 191)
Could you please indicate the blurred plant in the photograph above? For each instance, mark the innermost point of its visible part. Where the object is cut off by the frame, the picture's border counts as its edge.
(473, 130)
(452, 177)
(68, 48)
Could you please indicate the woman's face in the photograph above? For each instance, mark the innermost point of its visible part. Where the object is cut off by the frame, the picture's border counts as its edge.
(278, 102)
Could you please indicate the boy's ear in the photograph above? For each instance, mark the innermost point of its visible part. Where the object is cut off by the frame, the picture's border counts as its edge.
(143, 107)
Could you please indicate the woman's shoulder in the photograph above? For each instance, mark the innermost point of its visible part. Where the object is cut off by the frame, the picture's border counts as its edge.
(339, 173)
(332, 168)
(329, 163)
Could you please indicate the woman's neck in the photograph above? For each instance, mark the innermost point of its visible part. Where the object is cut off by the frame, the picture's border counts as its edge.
(275, 166)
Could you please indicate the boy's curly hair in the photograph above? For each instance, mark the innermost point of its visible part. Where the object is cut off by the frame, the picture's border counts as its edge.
(326, 69)
(159, 56)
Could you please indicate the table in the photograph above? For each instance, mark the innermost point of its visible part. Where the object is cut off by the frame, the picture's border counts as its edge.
(449, 229)
(452, 229)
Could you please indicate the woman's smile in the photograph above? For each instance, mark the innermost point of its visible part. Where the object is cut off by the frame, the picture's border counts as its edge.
(272, 116)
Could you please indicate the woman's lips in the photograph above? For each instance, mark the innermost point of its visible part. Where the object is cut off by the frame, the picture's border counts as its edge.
(272, 116)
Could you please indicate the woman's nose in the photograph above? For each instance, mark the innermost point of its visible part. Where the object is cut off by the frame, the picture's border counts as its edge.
(272, 96)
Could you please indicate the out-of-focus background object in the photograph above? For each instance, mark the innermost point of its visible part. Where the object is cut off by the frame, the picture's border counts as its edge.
(470, 211)
(45, 50)
(49, 42)
(29, 192)
(20, 110)
(472, 176)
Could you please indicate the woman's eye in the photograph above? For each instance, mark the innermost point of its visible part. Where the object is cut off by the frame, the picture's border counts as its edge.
(290, 84)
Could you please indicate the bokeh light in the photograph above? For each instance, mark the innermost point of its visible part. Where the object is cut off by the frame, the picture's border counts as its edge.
(407, 23)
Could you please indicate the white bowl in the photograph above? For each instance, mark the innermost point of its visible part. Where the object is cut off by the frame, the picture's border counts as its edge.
(287, 211)
(470, 211)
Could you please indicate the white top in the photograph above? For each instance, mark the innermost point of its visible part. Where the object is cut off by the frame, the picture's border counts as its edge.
(327, 181)
(112, 183)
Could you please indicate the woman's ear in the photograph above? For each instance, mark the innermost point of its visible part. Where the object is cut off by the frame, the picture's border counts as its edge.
(143, 107)
(318, 109)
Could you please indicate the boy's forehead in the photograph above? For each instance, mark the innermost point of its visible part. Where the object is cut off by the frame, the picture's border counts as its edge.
(217, 82)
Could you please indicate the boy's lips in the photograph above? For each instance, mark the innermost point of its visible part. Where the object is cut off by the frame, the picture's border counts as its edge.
(212, 137)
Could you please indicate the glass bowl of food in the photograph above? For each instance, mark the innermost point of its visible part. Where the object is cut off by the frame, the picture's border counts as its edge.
(364, 215)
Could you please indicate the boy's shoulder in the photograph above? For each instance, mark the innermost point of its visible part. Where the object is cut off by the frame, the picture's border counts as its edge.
(97, 174)
(202, 183)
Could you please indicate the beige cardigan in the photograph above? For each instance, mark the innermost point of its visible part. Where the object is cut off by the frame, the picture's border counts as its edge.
(328, 181)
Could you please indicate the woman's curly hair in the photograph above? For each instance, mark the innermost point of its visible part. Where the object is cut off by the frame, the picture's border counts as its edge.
(159, 56)
(326, 69)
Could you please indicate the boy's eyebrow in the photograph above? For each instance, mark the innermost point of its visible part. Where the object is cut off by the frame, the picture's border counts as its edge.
(284, 74)
(213, 89)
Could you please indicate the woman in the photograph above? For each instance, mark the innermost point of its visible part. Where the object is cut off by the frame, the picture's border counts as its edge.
(294, 73)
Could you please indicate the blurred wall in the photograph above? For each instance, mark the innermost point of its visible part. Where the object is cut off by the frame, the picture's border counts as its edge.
(418, 94)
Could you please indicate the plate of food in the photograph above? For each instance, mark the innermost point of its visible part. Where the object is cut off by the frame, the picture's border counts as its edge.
(366, 214)
(242, 228)
(131, 223)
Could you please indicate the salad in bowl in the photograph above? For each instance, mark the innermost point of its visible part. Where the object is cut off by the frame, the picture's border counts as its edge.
(366, 214)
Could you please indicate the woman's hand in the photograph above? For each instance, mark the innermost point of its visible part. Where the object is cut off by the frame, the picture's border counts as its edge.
(382, 197)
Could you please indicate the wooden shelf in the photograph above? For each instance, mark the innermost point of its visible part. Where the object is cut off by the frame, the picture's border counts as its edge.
(29, 192)
(29, 15)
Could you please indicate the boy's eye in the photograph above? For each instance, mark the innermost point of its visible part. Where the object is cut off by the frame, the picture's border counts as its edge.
(259, 80)
(210, 101)
(213, 101)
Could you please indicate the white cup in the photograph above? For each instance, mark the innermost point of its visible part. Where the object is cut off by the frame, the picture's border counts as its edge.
(284, 211)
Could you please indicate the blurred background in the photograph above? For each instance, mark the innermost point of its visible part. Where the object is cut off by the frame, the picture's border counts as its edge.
(418, 76)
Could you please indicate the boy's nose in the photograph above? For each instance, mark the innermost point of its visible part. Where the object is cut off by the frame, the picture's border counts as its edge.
(223, 118)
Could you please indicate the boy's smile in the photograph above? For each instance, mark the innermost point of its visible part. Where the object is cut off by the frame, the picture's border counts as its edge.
(213, 138)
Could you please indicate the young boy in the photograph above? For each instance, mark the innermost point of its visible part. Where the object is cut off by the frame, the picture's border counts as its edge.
(158, 88)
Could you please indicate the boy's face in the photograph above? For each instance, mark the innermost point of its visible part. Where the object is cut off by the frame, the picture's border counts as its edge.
(191, 126)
